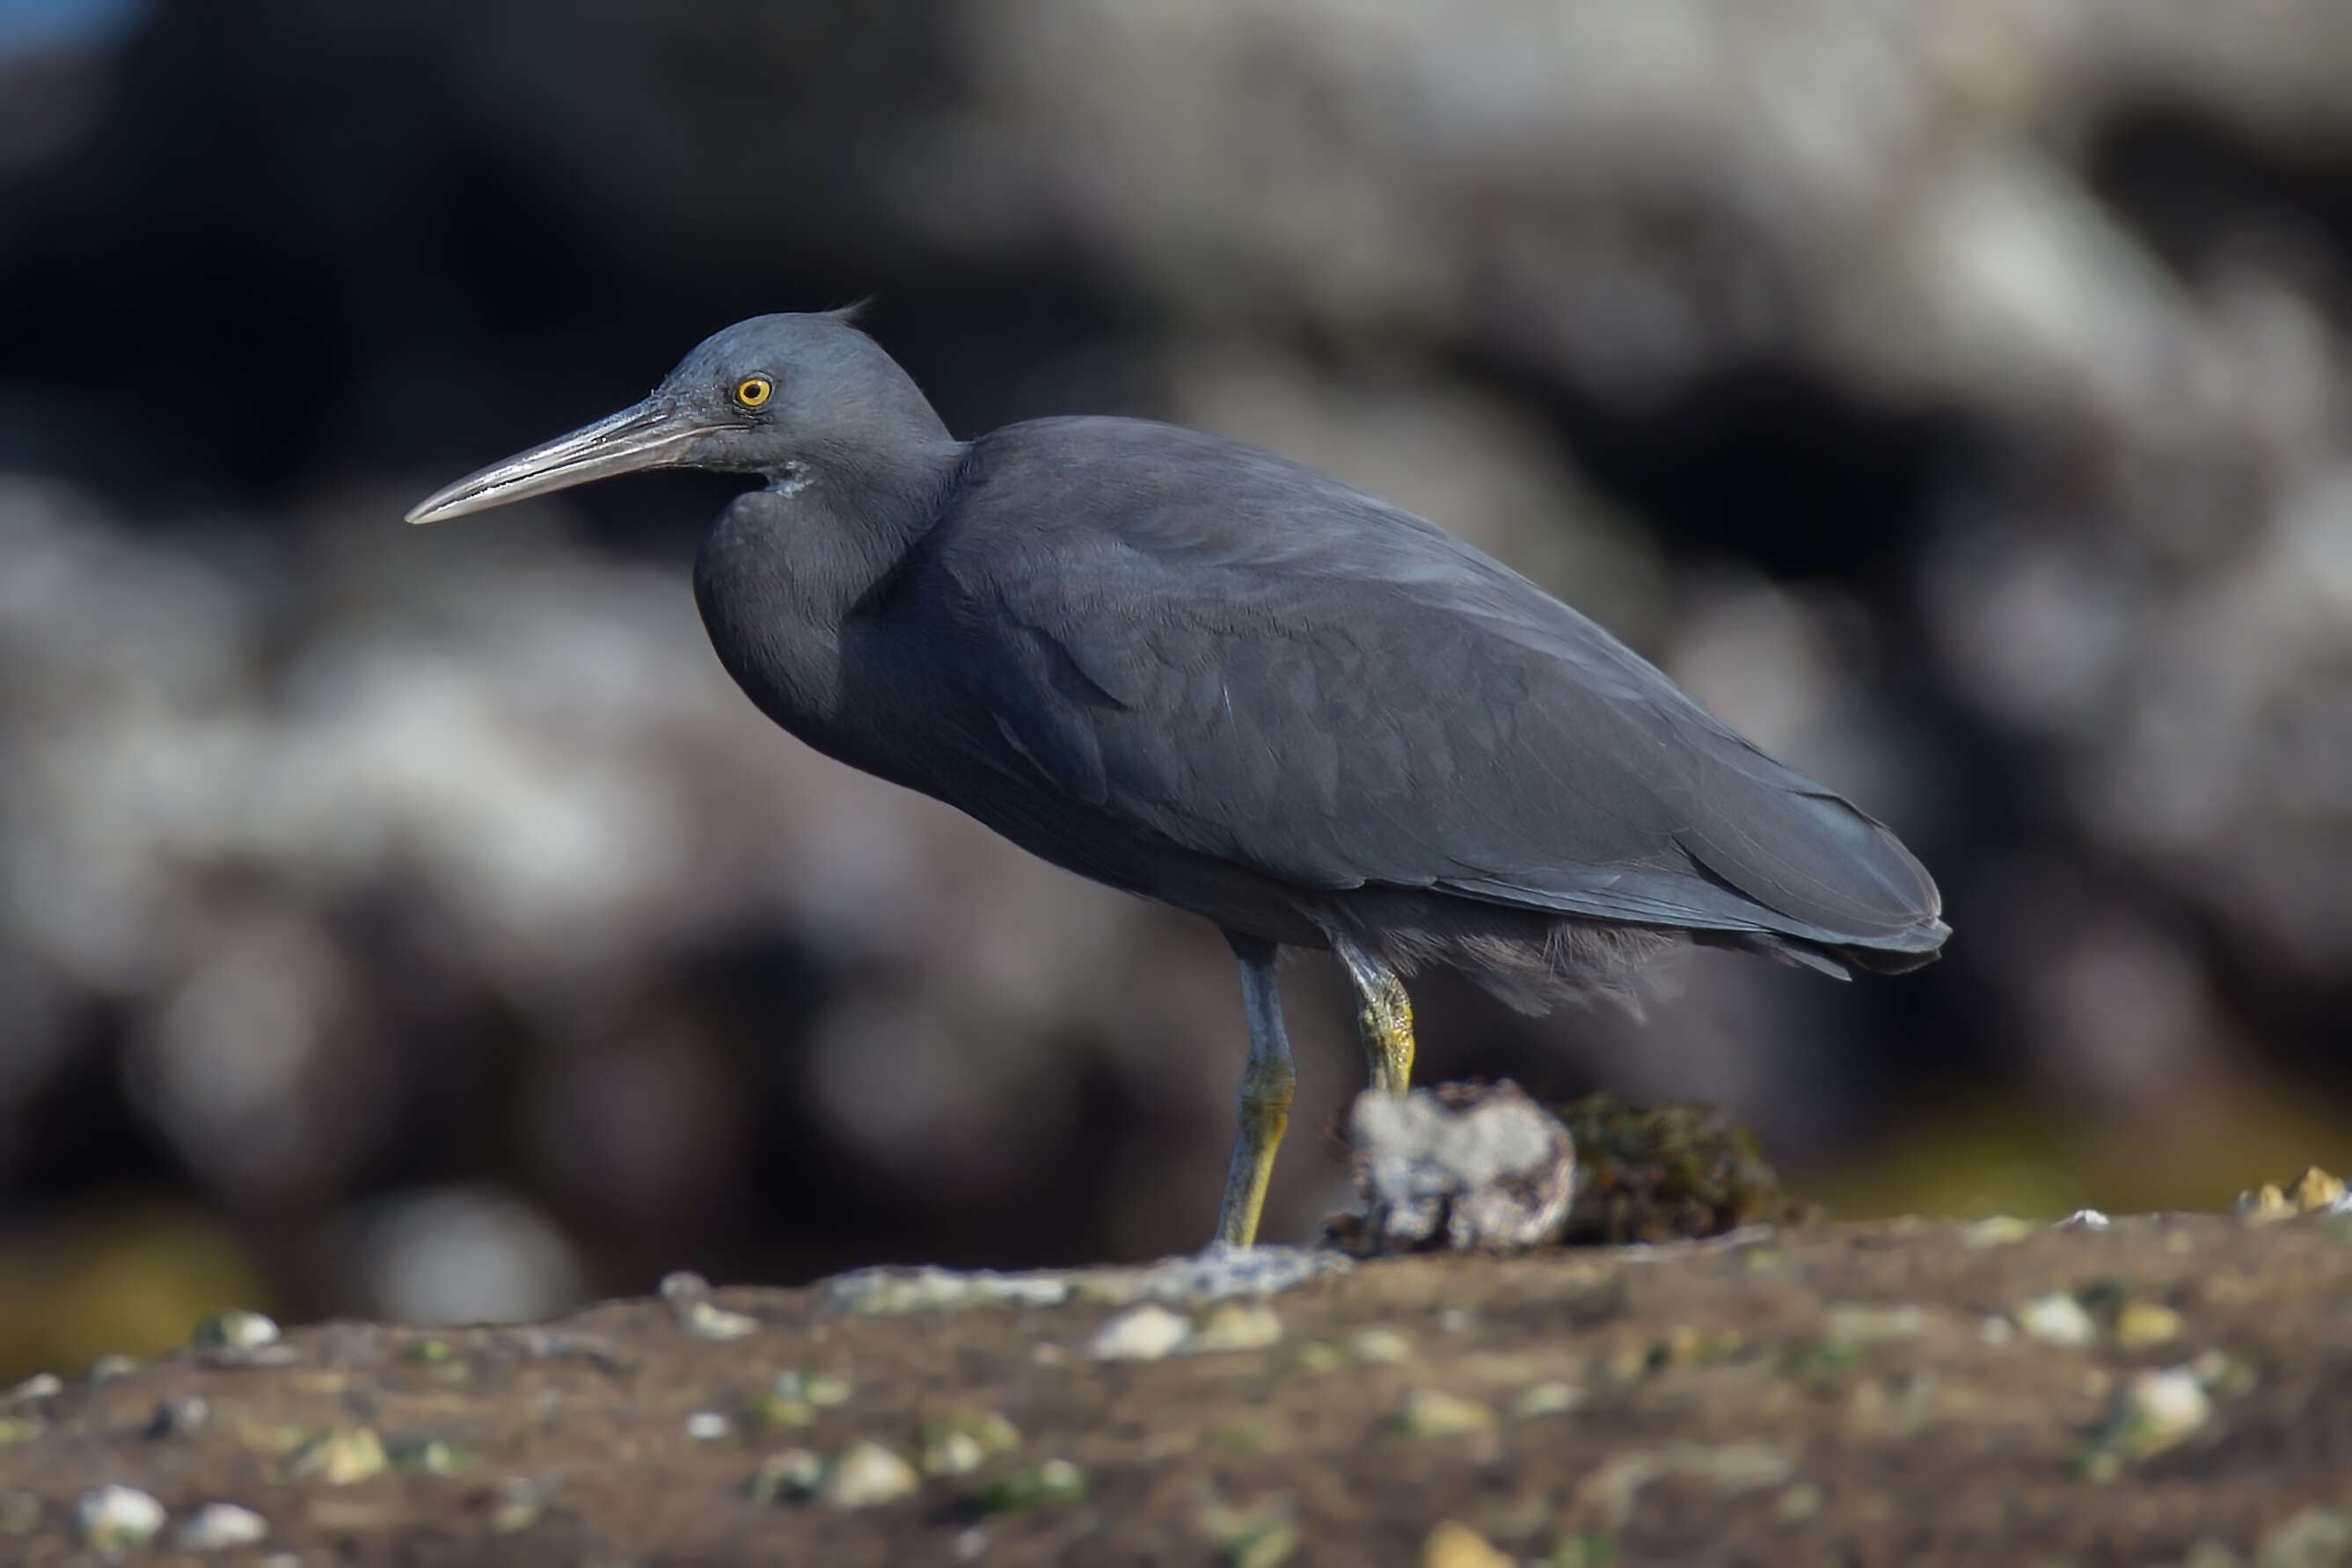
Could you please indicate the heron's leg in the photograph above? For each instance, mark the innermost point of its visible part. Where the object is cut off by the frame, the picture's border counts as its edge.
(1266, 1084)
(1385, 1014)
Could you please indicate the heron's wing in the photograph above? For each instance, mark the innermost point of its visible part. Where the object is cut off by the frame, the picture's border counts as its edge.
(1259, 665)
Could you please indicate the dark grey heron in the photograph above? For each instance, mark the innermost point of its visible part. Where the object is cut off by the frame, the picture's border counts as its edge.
(1206, 674)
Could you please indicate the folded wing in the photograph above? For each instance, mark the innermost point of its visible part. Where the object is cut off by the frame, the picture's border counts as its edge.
(1262, 666)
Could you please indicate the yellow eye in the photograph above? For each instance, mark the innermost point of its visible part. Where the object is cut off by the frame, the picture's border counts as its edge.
(753, 391)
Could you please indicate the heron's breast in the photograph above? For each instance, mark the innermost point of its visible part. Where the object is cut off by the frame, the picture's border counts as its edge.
(781, 649)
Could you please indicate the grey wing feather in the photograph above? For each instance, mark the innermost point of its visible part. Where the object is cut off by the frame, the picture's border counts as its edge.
(1280, 672)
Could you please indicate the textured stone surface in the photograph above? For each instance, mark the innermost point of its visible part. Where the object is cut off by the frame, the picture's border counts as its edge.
(1471, 1167)
(1818, 1394)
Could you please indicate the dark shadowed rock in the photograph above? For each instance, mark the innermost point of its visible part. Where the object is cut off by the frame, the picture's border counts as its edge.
(1656, 1173)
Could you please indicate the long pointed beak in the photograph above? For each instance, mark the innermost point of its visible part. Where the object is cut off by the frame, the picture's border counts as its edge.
(650, 434)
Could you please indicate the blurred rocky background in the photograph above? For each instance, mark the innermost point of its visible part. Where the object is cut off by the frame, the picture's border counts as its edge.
(1951, 393)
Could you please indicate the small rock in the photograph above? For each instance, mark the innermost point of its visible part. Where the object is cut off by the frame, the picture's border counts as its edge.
(235, 1328)
(1035, 1486)
(1466, 1166)
(431, 1457)
(2266, 1204)
(181, 1418)
(2318, 1537)
(1799, 1504)
(866, 1475)
(1853, 1323)
(2084, 1220)
(2146, 1324)
(680, 1286)
(519, 1503)
(1235, 1326)
(1997, 1330)
(2223, 1376)
(1545, 1399)
(1732, 1466)
(707, 1425)
(951, 1454)
(709, 1320)
(1322, 1356)
(1456, 1545)
(40, 1385)
(960, 1443)
(1666, 1173)
(796, 1397)
(1999, 1231)
(2317, 1191)
(339, 1456)
(1144, 1333)
(218, 1526)
(2157, 1409)
(818, 1389)
(429, 1350)
(688, 1295)
(1381, 1345)
(773, 1413)
(971, 1545)
(113, 1519)
(794, 1473)
(1261, 1535)
(2055, 1317)
(1687, 1345)
(1433, 1413)
(1268, 1546)
(110, 1366)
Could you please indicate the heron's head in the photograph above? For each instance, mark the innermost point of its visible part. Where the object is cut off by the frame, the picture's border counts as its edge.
(775, 395)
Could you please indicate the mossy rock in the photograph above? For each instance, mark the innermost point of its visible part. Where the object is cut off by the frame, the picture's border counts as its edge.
(1656, 1173)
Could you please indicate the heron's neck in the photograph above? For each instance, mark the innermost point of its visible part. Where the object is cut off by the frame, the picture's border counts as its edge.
(784, 568)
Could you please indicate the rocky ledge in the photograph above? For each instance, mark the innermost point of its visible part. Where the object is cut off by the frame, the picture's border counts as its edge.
(2171, 1388)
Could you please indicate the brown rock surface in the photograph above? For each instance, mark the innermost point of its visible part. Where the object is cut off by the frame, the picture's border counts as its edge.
(1852, 1392)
